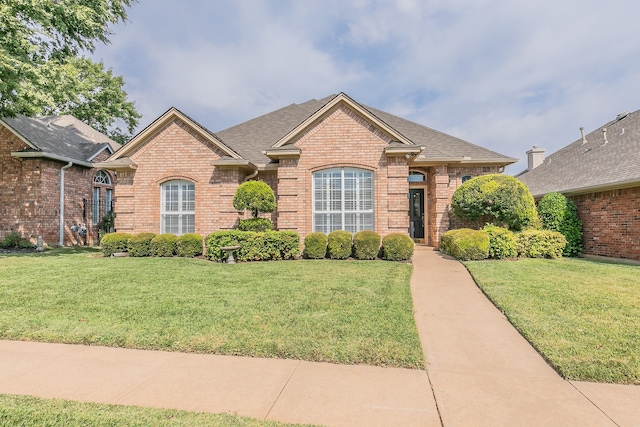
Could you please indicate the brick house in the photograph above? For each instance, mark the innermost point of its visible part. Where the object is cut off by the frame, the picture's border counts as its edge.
(48, 182)
(600, 172)
(333, 164)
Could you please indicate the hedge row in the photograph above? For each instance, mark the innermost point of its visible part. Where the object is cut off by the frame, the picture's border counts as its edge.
(497, 242)
(151, 244)
(254, 246)
(362, 245)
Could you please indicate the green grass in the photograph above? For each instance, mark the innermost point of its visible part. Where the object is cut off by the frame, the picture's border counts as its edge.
(583, 316)
(349, 312)
(28, 411)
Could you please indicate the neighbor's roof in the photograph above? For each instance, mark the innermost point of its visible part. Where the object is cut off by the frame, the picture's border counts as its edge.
(59, 137)
(251, 138)
(592, 166)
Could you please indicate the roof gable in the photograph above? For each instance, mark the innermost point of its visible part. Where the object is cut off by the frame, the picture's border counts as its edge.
(170, 115)
(594, 165)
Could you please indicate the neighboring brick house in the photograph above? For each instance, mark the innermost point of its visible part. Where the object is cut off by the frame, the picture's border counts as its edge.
(600, 172)
(48, 182)
(333, 164)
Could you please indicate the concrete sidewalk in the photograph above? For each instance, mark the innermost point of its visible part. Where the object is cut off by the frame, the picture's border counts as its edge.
(481, 372)
(484, 373)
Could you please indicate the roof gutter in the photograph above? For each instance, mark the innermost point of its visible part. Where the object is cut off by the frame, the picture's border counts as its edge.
(67, 166)
(51, 156)
(597, 188)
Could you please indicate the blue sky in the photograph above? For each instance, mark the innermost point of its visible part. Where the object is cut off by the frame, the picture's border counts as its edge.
(502, 74)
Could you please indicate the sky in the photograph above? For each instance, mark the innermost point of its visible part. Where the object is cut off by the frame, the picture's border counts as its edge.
(502, 74)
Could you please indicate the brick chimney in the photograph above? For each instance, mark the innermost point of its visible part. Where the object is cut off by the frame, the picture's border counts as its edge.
(535, 157)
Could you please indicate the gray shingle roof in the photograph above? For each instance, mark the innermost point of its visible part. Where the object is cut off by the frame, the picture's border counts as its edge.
(581, 167)
(63, 136)
(250, 138)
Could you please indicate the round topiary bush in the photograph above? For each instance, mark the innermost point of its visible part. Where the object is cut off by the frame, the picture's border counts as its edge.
(366, 244)
(339, 244)
(560, 214)
(112, 243)
(502, 242)
(465, 244)
(255, 196)
(498, 197)
(315, 245)
(164, 245)
(140, 244)
(397, 247)
(255, 224)
(189, 245)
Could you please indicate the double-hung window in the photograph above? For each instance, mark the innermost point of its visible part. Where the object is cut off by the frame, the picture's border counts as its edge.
(343, 200)
(177, 209)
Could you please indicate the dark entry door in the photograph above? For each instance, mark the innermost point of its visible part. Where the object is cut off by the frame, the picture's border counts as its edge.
(416, 213)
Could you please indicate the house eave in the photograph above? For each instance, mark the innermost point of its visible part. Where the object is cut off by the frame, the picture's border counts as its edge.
(461, 161)
(635, 182)
(409, 150)
(122, 164)
(50, 156)
(280, 153)
(233, 164)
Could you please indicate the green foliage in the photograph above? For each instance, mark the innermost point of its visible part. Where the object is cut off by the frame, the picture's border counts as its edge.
(315, 245)
(502, 242)
(499, 197)
(540, 244)
(339, 244)
(366, 244)
(263, 246)
(189, 245)
(465, 244)
(11, 240)
(41, 42)
(397, 247)
(140, 244)
(114, 242)
(560, 214)
(164, 245)
(255, 224)
(255, 196)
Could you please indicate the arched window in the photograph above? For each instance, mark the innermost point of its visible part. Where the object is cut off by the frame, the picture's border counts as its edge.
(177, 207)
(466, 178)
(415, 176)
(101, 177)
(342, 200)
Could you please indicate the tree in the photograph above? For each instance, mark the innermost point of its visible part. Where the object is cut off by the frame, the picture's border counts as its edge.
(560, 214)
(255, 196)
(499, 197)
(42, 72)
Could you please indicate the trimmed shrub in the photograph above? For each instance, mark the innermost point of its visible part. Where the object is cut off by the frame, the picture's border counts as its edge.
(502, 242)
(500, 197)
(270, 245)
(255, 224)
(140, 244)
(397, 247)
(339, 244)
(189, 245)
(465, 244)
(114, 242)
(540, 244)
(315, 245)
(560, 214)
(255, 196)
(11, 240)
(164, 245)
(366, 244)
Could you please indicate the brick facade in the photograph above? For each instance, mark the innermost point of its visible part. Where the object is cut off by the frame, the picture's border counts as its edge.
(611, 222)
(30, 195)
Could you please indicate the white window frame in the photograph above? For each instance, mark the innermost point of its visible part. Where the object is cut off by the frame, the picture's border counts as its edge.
(343, 199)
(177, 216)
(96, 206)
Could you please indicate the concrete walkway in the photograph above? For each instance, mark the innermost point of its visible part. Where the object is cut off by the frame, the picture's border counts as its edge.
(481, 372)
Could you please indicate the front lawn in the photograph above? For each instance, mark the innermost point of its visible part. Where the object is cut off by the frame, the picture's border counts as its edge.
(350, 312)
(583, 316)
(29, 411)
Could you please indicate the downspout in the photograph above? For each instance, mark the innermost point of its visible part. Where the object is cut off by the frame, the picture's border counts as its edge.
(251, 176)
(68, 165)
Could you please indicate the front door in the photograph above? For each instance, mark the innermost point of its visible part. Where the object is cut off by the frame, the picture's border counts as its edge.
(416, 213)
